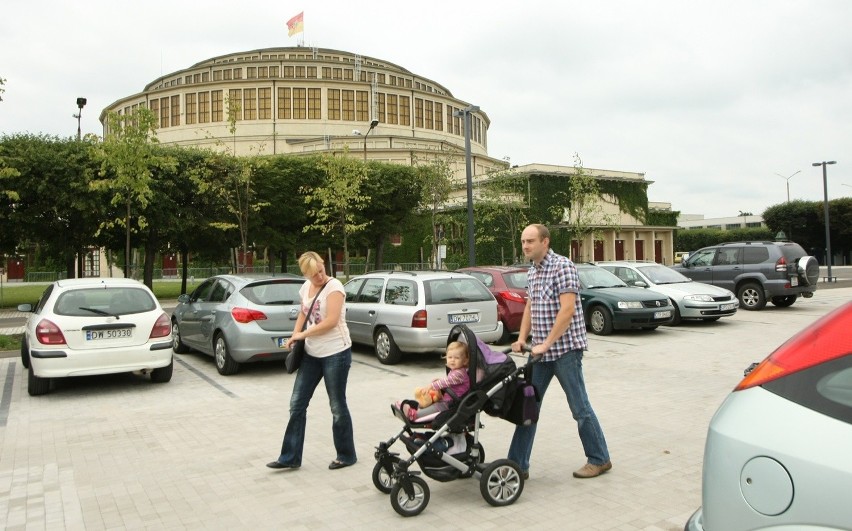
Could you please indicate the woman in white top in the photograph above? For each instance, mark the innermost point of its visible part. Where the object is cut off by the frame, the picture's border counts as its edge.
(328, 357)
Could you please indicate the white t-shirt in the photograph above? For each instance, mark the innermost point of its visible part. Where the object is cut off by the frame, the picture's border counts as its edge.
(332, 341)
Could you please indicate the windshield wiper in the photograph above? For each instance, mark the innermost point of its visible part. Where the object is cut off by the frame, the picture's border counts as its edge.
(100, 312)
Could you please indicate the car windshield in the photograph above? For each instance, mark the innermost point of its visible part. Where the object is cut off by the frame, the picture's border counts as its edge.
(461, 289)
(104, 301)
(597, 277)
(659, 274)
(275, 292)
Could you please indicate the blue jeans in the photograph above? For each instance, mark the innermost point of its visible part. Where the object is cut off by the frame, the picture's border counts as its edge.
(568, 369)
(334, 370)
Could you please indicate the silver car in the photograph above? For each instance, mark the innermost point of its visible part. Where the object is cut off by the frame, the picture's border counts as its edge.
(778, 449)
(238, 319)
(691, 300)
(414, 311)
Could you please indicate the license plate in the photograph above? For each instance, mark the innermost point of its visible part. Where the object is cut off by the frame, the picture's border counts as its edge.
(662, 315)
(457, 318)
(99, 335)
(281, 342)
(794, 281)
(727, 307)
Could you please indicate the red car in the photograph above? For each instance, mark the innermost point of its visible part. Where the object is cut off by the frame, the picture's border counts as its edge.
(509, 286)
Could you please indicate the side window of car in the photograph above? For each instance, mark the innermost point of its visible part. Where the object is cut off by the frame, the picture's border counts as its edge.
(43, 299)
(352, 288)
(703, 257)
(202, 292)
(728, 256)
(219, 291)
(372, 290)
(401, 292)
(755, 255)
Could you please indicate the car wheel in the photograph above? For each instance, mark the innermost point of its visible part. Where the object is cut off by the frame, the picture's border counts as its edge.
(783, 302)
(386, 349)
(751, 296)
(163, 374)
(808, 269)
(36, 385)
(600, 321)
(25, 355)
(178, 345)
(225, 364)
(677, 319)
(506, 337)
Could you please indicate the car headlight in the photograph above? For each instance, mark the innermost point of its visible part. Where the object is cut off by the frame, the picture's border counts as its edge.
(701, 298)
(624, 305)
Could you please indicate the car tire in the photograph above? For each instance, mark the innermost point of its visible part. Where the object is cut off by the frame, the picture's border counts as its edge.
(677, 319)
(386, 349)
(163, 374)
(25, 354)
(36, 385)
(506, 337)
(808, 269)
(225, 364)
(751, 296)
(784, 302)
(600, 321)
(178, 345)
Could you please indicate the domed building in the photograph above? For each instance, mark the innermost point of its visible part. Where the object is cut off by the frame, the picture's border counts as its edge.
(309, 100)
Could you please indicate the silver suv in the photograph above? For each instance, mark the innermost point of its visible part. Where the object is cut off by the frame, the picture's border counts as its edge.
(414, 311)
(756, 271)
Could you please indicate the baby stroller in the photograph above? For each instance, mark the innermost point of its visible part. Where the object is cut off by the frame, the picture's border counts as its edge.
(447, 447)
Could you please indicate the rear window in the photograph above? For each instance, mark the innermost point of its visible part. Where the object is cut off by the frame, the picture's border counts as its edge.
(792, 251)
(272, 293)
(104, 301)
(517, 280)
(454, 290)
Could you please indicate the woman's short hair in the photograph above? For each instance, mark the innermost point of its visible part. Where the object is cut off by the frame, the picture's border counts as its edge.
(310, 263)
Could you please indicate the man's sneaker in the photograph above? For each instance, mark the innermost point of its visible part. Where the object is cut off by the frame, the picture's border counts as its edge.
(525, 474)
(592, 471)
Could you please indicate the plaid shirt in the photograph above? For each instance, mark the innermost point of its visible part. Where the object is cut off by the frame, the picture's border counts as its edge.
(546, 281)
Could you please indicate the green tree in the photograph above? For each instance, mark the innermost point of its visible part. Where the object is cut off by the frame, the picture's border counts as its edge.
(436, 178)
(502, 211)
(337, 201)
(127, 158)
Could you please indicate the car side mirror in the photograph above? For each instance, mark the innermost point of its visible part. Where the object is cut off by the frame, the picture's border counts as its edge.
(640, 284)
(25, 308)
(184, 298)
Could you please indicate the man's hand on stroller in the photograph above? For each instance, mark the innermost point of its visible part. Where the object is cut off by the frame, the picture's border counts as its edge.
(536, 350)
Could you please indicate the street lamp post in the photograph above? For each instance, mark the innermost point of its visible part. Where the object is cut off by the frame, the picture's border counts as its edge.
(81, 102)
(825, 205)
(373, 125)
(471, 255)
(788, 182)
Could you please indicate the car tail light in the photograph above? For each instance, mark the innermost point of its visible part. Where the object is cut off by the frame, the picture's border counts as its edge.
(162, 327)
(781, 265)
(247, 315)
(419, 319)
(48, 333)
(511, 296)
(825, 340)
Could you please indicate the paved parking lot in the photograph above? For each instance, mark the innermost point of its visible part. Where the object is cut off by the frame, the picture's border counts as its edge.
(119, 452)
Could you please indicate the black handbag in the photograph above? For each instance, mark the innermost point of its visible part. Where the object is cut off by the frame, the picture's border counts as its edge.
(297, 351)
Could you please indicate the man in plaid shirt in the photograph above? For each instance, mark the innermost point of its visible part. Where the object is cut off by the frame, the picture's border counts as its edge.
(553, 319)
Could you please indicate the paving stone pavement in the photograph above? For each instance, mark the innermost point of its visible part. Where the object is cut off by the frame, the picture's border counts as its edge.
(118, 452)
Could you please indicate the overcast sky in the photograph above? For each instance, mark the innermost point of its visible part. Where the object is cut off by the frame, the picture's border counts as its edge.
(711, 100)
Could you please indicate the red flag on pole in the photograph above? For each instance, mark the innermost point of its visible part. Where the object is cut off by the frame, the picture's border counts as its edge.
(296, 24)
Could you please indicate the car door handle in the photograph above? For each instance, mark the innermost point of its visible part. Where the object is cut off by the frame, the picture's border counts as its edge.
(372, 312)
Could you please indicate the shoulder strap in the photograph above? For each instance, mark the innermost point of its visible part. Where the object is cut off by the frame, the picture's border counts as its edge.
(305, 324)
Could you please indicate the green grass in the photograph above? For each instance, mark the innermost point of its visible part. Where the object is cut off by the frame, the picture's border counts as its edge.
(10, 342)
(12, 295)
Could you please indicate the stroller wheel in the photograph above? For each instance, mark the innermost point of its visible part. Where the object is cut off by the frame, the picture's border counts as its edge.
(382, 479)
(501, 483)
(407, 505)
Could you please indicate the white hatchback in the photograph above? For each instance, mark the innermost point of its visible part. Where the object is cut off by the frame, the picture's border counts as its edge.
(89, 326)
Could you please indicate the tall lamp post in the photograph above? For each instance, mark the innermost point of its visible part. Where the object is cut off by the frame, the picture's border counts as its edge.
(788, 182)
(81, 102)
(825, 205)
(471, 255)
(373, 124)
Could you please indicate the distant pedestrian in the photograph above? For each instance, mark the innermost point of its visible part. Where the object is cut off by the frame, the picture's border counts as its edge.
(553, 318)
(328, 357)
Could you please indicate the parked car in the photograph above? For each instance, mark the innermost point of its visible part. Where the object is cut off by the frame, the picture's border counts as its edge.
(756, 271)
(610, 304)
(90, 326)
(509, 286)
(777, 450)
(691, 300)
(414, 311)
(238, 319)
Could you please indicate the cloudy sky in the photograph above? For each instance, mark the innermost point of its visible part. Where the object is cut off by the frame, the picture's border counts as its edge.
(715, 101)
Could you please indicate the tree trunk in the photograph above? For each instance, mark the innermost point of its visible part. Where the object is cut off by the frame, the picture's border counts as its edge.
(150, 254)
(184, 259)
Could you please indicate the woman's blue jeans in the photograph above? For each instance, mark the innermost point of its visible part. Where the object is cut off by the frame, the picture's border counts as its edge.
(334, 371)
(568, 369)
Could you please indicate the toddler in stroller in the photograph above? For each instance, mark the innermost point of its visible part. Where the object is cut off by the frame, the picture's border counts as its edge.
(442, 392)
(446, 445)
